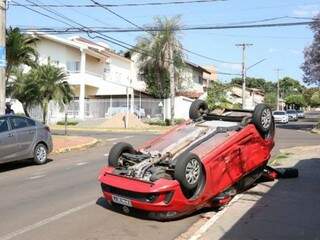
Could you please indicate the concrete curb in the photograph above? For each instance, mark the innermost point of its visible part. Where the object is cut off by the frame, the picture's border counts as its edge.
(112, 129)
(315, 131)
(76, 147)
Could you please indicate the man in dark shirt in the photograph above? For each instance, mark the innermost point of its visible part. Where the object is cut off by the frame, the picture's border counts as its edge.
(9, 110)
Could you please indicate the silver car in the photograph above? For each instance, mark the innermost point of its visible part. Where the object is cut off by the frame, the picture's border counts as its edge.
(292, 114)
(24, 138)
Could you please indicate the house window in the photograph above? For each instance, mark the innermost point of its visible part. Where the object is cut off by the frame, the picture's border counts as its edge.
(73, 66)
(107, 68)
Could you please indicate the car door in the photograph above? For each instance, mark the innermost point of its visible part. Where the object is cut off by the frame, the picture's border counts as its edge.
(8, 144)
(25, 134)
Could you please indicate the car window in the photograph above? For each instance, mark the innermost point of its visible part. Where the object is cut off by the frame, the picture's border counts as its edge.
(18, 122)
(30, 122)
(3, 125)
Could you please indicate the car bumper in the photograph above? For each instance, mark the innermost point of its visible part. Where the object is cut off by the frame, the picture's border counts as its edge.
(281, 120)
(162, 199)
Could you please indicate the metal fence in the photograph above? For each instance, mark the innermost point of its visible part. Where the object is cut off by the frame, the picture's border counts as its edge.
(144, 108)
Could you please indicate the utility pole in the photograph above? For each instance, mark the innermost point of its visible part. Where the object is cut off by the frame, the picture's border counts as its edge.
(278, 87)
(172, 86)
(2, 56)
(243, 71)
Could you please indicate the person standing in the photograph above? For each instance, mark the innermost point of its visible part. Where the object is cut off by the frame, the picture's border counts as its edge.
(9, 110)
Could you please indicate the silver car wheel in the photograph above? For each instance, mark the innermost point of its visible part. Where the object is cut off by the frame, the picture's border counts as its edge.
(266, 118)
(41, 153)
(193, 171)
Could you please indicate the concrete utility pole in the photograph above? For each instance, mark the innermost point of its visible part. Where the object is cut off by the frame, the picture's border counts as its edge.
(243, 71)
(2, 56)
(172, 86)
(278, 87)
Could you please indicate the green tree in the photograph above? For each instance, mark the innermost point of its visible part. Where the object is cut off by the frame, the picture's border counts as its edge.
(260, 83)
(52, 85)
(24, 88)
(290, 86)
(297, 100)
(160, 56)
(315, 99)
(19, 50)
(271, 100)
(217, 96)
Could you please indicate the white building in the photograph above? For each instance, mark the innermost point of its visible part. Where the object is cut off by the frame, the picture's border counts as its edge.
(94, 71)
(253, 96)
(192, 82)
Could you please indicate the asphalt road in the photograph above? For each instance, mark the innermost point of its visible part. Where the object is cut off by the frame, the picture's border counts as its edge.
(62, 199)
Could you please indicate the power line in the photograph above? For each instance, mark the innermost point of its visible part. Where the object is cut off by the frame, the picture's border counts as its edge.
(117, 5)
(151, 32)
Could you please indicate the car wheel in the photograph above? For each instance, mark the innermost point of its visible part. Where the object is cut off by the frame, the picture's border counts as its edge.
(116, 151)
(197, 109)
(188, 171)
(40, 155)
(262, 119)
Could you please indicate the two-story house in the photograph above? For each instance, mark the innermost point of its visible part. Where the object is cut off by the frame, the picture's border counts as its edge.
(94, 71)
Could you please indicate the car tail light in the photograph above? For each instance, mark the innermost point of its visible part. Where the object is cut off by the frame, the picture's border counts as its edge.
(47, 128)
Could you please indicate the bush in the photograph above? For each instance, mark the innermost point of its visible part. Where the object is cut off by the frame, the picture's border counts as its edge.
(159, 122)
(69, 123)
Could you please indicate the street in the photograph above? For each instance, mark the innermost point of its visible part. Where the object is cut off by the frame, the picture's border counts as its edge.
(62, 199)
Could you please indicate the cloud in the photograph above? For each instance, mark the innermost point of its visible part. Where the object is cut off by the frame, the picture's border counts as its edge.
(306, 11)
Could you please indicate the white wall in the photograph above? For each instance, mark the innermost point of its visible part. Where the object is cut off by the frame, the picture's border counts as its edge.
(182, 106)
(190, 80)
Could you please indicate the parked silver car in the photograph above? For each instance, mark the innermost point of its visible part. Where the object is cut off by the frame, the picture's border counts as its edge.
(300, 114)
(280, 116)
(24, 138)
(292, 114)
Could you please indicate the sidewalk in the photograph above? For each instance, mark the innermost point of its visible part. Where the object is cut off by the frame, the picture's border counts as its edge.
(68, 143)
(283, 209)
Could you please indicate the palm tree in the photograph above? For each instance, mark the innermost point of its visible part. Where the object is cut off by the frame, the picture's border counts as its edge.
(52, 85)
(161, 58)
(25, 89)
(19, 50)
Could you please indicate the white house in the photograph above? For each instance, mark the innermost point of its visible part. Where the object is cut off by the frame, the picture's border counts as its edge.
(253, 97)
(94, 70)
(192, 82)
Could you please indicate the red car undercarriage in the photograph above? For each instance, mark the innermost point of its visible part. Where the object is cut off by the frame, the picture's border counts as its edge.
(201, 163)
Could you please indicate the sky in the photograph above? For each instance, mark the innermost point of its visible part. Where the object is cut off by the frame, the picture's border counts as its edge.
(282, 47)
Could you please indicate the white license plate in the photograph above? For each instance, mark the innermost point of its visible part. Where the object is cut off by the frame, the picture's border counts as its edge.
(121, 200)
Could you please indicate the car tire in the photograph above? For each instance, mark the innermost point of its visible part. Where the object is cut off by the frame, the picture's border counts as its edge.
(116, 151)
(40, 154)
(197, 109)
(263, 120)
(188, 171)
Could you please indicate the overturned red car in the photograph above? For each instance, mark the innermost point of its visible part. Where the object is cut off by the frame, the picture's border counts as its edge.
(203, 162)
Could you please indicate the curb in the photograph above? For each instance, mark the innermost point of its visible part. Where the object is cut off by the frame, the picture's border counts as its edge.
(76, 147)
(112, 129)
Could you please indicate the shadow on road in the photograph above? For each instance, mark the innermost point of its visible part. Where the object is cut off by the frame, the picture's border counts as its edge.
(297, 126)
(4, 167)
(289, 210)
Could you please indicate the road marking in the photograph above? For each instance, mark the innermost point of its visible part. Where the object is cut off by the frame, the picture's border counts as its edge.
(127, 137)
(198, 234)
(82, 163)
(45, 221)
(37, 176)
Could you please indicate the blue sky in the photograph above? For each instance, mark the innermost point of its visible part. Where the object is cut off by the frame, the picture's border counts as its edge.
(282, 47)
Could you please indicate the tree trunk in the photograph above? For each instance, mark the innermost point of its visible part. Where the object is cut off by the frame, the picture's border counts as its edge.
(172, 86)
(45, 111)
(25, 109)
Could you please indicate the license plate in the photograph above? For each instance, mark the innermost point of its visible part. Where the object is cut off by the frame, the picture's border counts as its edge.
(122, 200)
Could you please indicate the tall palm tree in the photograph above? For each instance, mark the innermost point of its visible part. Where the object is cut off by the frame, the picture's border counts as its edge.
(25, 89)
(161, 58)
(52, 85)
(19, 50)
